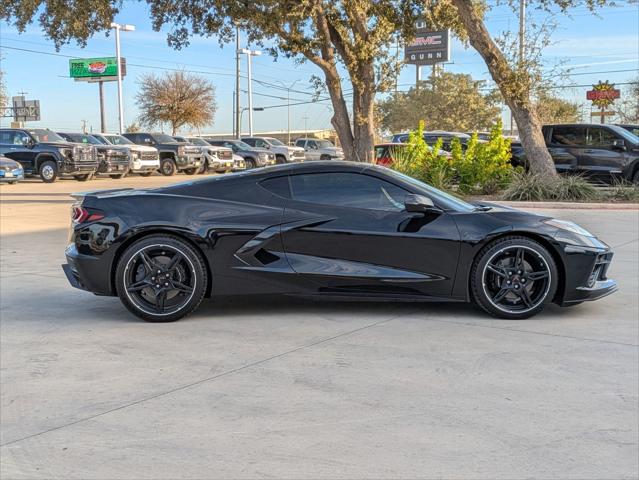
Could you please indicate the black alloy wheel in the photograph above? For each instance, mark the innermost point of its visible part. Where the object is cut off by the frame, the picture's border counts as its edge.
(514, 278)
(280, 159)
(48, 171)
(161, 278)
(168, 167)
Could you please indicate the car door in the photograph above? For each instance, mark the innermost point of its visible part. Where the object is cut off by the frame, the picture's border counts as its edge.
(603, 155)
(565, 145)
(311, 150)
(16, 145)
(349, 232)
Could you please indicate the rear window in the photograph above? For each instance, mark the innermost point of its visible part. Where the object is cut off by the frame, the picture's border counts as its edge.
(279, 186)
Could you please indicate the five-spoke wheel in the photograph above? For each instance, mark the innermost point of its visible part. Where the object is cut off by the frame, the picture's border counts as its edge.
(513, 277)
(161, 278)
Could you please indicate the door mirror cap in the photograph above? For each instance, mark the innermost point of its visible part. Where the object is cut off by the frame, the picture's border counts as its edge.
(420, 204)
(31, 143)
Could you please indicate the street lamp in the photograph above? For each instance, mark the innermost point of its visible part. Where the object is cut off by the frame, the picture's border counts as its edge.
(249, 54)
(124, 28)
(239, 128)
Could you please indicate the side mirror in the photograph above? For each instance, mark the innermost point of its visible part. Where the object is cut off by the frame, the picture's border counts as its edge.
(618, 144)
(31, 143)
(420, 204)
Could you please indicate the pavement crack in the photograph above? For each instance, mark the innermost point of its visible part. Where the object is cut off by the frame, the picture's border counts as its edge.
(626, 243)
(207, 379)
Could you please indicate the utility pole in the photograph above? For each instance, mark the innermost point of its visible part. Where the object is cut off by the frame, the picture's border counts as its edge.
(84, 126)
(102, 114)
(237, 83)
(249, 54)
(305, 118)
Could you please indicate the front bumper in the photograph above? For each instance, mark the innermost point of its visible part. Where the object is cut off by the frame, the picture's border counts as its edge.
(189, 161)
(586, 274)
(114, 167)
(11, 176)
(145, 166)
(68, 168)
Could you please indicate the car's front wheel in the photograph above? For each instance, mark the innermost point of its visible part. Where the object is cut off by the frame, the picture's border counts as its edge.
(48, 171)
(161, 278)
(513, 278)
(168, 167)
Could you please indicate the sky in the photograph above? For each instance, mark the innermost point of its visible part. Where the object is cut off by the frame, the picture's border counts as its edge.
(594, 47)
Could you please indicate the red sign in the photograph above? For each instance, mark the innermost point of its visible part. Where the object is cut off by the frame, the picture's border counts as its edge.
(611, 94)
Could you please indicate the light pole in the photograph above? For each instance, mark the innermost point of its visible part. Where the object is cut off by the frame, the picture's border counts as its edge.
(249, 54)
(125, 28)
(288, 107)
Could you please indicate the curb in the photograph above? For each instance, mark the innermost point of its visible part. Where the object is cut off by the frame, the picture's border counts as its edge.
(570, 205)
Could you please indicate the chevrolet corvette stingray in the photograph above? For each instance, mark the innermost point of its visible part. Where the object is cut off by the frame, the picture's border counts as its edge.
(325, 229)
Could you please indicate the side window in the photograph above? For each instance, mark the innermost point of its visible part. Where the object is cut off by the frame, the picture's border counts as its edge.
(6, 137)
(353, 190)
(569, 136)
(261, 144)
(279, 186)
(601, 137)
(134, 137)
(20, 138)
(249, 141)
(146, 139)
(311, 144)
(299, 143)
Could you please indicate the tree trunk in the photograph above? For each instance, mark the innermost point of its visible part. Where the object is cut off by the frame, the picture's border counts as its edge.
(516, 96)
(363, 114)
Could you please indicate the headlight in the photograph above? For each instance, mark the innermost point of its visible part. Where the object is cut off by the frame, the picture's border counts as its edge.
(135, 155)
(66, 152)
(569, 226)
(180, 150)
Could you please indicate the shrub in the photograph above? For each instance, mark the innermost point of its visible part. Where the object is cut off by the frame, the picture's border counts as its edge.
(528, 187)
(622, 191)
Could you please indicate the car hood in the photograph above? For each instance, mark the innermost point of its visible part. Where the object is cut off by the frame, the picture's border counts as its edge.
(139, 148)
(7, 162)
(295, 149)
(60, 144)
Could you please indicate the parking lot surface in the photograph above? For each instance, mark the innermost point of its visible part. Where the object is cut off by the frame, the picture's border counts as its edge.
(294, 389)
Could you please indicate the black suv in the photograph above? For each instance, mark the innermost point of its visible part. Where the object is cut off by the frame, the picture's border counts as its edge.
(603, 152)
(113, 160)
(174, 157)
(45, 153)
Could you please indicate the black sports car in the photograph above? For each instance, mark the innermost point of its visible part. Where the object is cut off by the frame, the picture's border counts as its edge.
(325, 229)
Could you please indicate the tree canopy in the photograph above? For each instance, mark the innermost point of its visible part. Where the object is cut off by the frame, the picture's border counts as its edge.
(176, 98)
(447, 101)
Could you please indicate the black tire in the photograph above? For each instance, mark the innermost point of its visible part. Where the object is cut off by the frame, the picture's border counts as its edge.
(250, 163)
(168, 168)
(13, 182)
(146, 174)
(280, 159)
(513, 278)
(325, 157)
(48, 171)
(191, 171)
(203, 169)
(84, 177)
(134, 276)
(635, 177)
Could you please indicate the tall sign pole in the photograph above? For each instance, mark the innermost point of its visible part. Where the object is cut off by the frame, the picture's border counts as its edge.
(238, 126)
(125, 28)
(102, 114)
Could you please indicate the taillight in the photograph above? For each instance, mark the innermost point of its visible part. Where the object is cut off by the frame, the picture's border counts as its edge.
(80, 214)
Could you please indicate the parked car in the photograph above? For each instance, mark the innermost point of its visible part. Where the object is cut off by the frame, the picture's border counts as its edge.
(326, 230)
(253, 156)
(602, 152)
(631, 127)
(283, 153)
(219, 159)
(174, 156)
(45, 153)
(144, 160)
(238, 163)
(485, 136)
(431, 138)
(10, 171)
(113, 161)
(384, 153)
(318, 149)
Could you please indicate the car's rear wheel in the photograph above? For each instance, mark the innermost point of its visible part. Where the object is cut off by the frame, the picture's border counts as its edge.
(48, 171)
(161, 278)
(191, 171)
(513, 278)
(168, 167)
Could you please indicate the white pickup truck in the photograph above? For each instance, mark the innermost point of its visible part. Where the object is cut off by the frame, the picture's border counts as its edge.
(283, 153)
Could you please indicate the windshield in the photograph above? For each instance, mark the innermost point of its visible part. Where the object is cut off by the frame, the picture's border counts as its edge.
(241, 145)
(198, 141)
(82, 138)
(324, 144)
(629, 136)
(449, 202)
(276, 142)
(101, 139)
(118, 140)
(163, 138)
(42, 135)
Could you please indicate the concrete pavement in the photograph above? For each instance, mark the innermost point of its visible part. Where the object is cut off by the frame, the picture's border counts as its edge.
(292, 389)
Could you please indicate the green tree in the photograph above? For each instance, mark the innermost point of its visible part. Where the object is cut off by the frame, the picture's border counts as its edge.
(551, 109)
(628, 106)
(514, 77)
(177, 98)
(447, 101)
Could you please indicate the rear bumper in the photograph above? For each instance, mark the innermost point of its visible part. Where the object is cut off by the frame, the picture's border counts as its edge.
(86, 272)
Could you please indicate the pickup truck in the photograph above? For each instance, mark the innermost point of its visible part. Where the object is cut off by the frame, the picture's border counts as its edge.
(601, 152)
(174, 157)
(283, 153)
(144, 160)
(45, 153)
(114, 161)
(219, 159)
(318, 149)
(253, 156)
